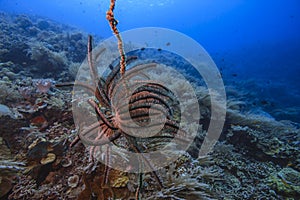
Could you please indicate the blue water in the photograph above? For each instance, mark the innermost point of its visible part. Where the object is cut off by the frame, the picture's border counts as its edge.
(256, 40)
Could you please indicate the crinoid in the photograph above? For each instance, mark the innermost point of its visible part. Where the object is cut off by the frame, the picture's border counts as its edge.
(133, 112)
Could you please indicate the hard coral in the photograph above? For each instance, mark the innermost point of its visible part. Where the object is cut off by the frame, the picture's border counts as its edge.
(73, 181)
(43, 85)
(46, 59)
(286, 182)
(8, 92)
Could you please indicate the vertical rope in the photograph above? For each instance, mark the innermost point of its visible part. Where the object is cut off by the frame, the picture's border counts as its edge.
(113, 24)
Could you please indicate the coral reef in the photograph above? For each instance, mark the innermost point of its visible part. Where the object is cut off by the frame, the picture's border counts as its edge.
(286, 182)
(248, 162)
(257, 156)
(38, 47)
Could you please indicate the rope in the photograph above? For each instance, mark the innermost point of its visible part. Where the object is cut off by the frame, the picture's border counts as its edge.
(113, 24)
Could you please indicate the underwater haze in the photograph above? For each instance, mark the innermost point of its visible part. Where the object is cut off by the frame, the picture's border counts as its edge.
(248, 40)
(51, 149)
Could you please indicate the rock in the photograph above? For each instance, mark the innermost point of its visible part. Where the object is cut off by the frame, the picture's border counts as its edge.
(5, 111)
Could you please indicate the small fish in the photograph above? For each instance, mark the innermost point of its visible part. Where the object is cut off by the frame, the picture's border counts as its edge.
(289, 164)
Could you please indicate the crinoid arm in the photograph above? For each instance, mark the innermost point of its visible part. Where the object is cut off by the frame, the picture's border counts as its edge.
(98, 134)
